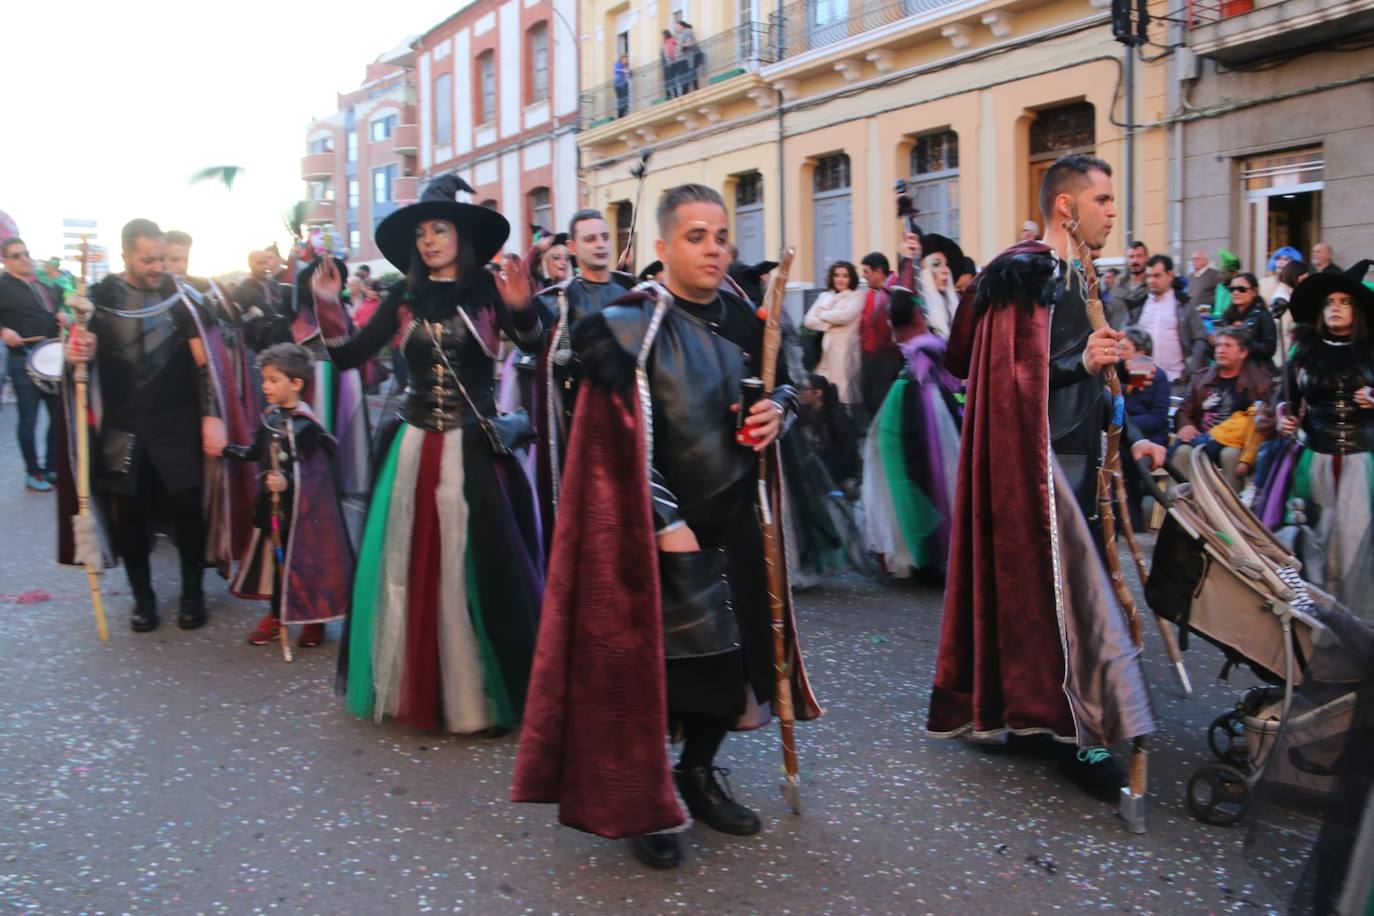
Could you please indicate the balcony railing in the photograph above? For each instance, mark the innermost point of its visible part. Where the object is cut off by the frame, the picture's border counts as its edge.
(1204, 12)
(316, 166)
(718, 58)
(800, 27)
(405, 139)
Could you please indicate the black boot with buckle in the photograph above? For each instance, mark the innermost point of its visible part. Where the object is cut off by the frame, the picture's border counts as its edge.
(658, 850)
(712, 804)
(192, 614)
(143, 618)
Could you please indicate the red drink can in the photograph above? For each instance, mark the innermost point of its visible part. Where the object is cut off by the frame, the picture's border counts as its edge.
(750, 393)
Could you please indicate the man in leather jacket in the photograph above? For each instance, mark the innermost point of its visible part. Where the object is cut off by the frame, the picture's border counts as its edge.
(160, 411)
(560, 306)
(675, 356)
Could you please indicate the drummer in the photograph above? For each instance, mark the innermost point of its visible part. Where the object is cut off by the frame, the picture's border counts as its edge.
(28, 316)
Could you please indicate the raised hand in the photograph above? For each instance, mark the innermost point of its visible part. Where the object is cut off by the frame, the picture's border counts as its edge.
(513, 284)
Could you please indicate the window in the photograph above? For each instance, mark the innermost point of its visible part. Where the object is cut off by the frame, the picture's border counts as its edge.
(382, 127)
(352, 193)
(1068, 128)
(541, 208)
(935, 182)
(539, 63)
(1055, 132)
(486, 87)
(749, 217)
(382, 179)
(320, 190)
(322, 145)
(443, 109)
(832, 173)
(352, 145)
(622, 44)
(355, 241)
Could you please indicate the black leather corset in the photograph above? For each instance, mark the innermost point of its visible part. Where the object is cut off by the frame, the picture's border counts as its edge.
(1334, 424)
(433, 399)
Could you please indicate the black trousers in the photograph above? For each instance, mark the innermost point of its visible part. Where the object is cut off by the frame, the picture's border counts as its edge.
(133, 518)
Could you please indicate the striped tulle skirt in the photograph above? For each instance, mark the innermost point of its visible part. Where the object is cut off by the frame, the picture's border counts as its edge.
(447, 590)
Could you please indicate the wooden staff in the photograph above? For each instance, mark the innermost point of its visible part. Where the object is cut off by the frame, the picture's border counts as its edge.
(773, 557)
(278, 553)
(1133, 797)
(88, 551)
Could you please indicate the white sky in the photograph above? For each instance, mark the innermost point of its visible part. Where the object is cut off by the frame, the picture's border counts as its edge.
(112, 105)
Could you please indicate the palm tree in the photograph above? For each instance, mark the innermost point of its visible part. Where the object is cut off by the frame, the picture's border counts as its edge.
(226, 174)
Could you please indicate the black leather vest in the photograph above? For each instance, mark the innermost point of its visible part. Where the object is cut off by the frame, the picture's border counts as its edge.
(1078, 412)
(580, 298)
(1334, 424)
(433, 399)
(694, 377)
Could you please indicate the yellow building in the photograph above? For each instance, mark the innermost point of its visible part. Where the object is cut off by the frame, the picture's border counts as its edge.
(805, 115)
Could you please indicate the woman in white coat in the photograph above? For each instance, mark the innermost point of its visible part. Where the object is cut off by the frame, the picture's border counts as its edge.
(836, 314)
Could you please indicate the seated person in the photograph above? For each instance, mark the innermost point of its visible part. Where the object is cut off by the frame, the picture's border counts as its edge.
(1206, 419)
(1147, 404)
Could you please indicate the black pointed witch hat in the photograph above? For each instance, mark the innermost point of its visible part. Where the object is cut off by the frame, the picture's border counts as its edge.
(486, 229)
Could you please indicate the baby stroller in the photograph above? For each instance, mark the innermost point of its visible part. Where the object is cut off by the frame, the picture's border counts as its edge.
(1220, 574)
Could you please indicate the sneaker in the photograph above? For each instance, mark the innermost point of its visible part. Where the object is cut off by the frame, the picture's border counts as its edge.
(38, 483)
(312, 634)
(267, 630)
(1095, 772)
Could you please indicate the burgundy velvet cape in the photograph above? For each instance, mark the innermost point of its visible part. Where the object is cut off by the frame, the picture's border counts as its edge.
(1033, 639)
(594, 737)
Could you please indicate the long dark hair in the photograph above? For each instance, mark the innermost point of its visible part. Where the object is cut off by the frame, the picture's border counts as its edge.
(1309, 352)
(474, 287)
(1232, 314)
(830, 276)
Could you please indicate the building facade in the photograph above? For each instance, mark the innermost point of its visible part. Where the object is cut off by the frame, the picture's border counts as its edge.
(360, 162)
(498, 104)
(806, 114)
(1271, 126)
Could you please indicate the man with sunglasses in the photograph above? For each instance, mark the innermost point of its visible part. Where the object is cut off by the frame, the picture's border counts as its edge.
(28, 315)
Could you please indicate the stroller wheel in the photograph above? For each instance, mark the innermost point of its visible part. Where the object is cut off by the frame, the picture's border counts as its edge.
(1226, 737)
(1218, 795)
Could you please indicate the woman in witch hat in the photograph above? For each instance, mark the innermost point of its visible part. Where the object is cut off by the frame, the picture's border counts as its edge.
(449, 579)
(1324, 478)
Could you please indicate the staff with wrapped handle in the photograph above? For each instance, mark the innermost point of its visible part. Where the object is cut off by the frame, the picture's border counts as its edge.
(774, 559)
(275, 484)
(88, 550)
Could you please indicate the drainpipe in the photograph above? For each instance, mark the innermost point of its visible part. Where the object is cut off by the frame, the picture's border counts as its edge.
(1130, 143)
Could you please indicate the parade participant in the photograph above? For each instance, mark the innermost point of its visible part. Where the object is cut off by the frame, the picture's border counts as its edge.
(911, 452)
(556, 375)
(161, 406)
(658, 555)
(263, 302)
(1327, 472)
(446, 594)
(229, 354)
(28, 316)
(1034, 641)
(299, 558)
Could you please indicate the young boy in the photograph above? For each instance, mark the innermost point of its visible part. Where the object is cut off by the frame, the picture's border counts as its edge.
(300, 557)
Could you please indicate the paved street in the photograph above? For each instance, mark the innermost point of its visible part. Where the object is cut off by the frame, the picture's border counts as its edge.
(182, 772)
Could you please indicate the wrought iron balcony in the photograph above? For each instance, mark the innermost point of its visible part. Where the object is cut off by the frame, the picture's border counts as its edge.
(810, 24)
(727, 54)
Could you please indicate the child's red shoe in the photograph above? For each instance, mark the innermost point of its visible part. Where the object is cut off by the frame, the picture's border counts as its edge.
(266, 631)
(312, 634)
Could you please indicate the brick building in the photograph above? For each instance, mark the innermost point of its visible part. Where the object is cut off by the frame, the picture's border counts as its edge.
(360, 161)
(498, 103)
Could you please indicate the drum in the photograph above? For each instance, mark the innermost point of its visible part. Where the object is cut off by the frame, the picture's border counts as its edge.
(46, 364)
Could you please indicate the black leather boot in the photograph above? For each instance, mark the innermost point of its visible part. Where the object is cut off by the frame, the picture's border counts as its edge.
(192, 614)
(711, 804)
(144, 617)
(657, 850)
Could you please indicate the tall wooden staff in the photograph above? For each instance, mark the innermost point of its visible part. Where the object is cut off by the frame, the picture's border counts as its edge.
(1133, 796)
(88, 551)
(278, 552)
(773, 557)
